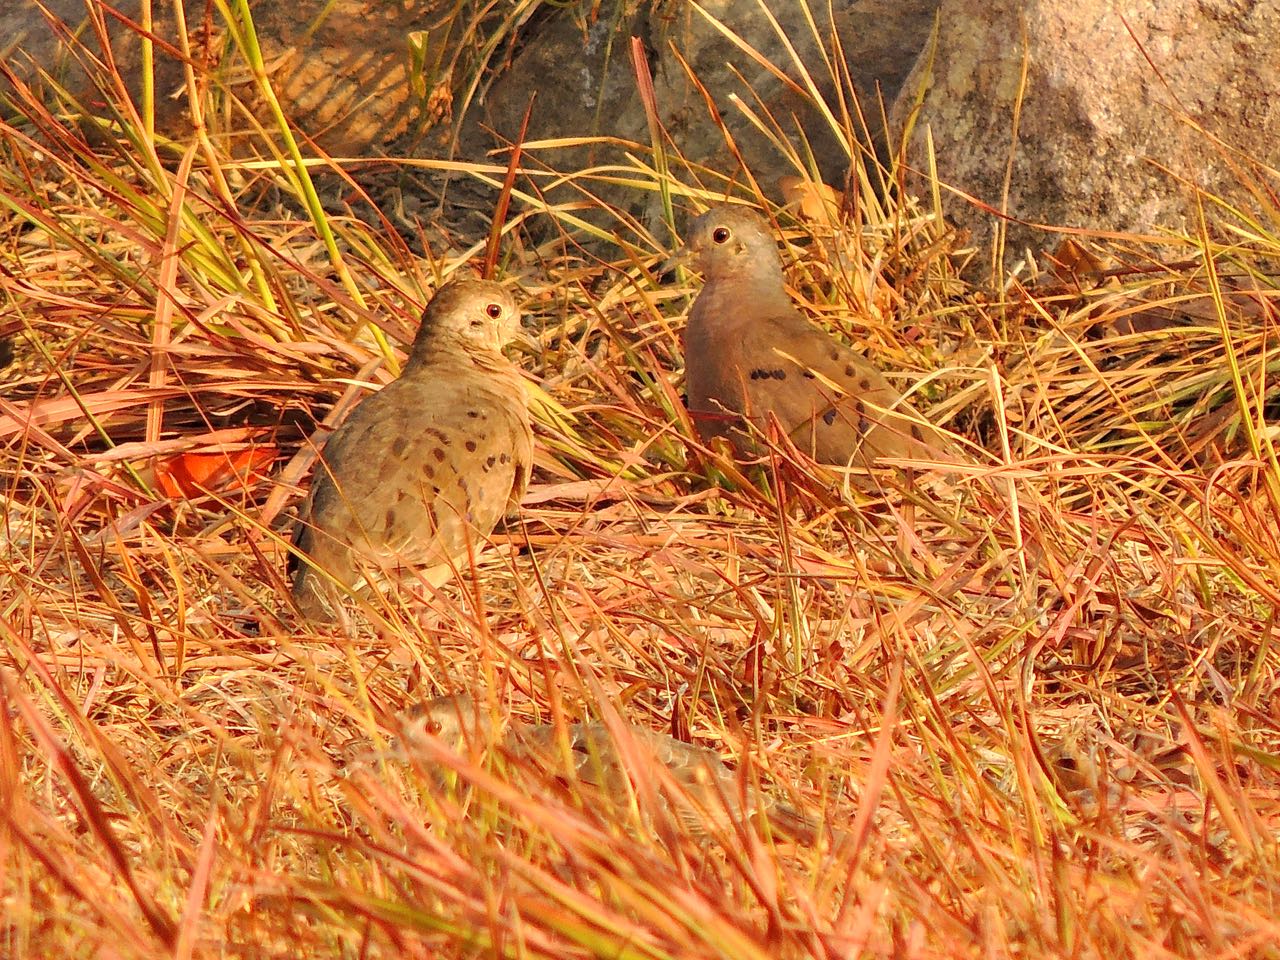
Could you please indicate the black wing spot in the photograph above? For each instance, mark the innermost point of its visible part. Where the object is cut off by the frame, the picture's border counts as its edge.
(438, 453)
(829, 417)
(471, 446)
(810, 375)
(779, 374)
(865, 383)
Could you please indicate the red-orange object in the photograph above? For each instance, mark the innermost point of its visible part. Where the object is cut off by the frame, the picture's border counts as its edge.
(194, 474)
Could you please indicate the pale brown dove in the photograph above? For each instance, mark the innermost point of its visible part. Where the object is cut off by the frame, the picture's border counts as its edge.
(705, 795)
(750, 353)
(421, 472)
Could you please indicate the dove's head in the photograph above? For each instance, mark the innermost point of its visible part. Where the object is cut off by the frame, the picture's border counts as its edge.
(457, 722)
(732, 242)
(479, 315)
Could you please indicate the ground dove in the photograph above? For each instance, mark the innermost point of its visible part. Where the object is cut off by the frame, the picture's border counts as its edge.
(423, 470)
(750, 353)
(704, 793)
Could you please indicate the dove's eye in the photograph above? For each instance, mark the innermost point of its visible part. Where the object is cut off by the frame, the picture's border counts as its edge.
(721, 235)
(494, 310)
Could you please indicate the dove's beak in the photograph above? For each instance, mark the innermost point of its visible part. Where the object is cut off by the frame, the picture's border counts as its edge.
(527, 340)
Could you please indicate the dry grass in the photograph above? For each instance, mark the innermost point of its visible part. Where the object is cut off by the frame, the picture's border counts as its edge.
(1036, 714)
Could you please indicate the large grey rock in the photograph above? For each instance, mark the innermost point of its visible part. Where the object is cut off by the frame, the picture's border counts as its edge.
(586, 82)
(340, 67)
(32, 42)
(1114, 97)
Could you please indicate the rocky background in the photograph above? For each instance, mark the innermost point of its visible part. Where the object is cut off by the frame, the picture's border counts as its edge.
(1075, 113)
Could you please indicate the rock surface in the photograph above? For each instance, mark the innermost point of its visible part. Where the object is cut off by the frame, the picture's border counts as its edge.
(344, 71)
(587, 86)
(1121, 107)
(1109, 135)
(30, 42)
(340, 67)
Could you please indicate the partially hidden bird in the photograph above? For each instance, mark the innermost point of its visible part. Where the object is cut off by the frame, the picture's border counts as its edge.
(421, 472)
(705, 797)
(752, 357)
